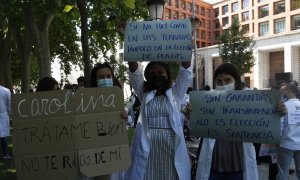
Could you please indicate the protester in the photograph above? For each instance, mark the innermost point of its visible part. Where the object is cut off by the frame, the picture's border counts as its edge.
(207, 88)
(220, 159)
(134, 109)
(47, 84)
(5, 111)
(80, 82)
(158, 149)
(102, 76)
(184, 120)
(289, 146)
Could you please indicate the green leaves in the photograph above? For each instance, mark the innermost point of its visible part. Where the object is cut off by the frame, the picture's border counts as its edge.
(236, 47)
(129, 3)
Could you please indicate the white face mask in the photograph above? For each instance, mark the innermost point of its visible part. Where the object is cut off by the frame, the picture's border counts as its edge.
(226, 87)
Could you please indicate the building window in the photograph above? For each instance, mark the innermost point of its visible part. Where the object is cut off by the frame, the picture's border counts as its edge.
(197, 10)
(245, 16)
(182, 16)
(203, 35)
(235, 17)
(183, 5)
(203, 23)
(217, 35)
(197, 33)
(208, 13)
(245, 4)
(246, 28)
(121, 45)
(235, 7)
(279, 7)
(217, 24)
(295, 4)
(202, 11)
(216, 12)
(279, 25)
(175, 15)
(263, 11)
(208, 36)
(203, 44)
(225, 21)
(208, 24)
(169, 14)
(263, 28)
(295, 22)
(168, 2)
(225, 9)
(177, 3)
(190, 7)
(121, 56)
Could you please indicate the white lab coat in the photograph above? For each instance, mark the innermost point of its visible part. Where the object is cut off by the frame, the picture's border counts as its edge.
(205, 158)
(140, 145)
(5, 111)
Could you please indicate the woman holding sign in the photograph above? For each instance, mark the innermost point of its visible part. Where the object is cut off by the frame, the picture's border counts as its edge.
(158, 149)
(220, 159)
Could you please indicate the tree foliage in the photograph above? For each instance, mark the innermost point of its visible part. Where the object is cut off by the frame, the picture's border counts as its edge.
(33, 33)
(236, 47)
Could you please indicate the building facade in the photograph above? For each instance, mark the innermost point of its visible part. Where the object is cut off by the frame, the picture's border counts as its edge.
(274, 24)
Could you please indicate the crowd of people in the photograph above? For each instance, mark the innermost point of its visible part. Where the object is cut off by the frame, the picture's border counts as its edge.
(160, 116)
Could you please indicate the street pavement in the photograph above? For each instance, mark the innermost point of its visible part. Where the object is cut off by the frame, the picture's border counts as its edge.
(263, 168)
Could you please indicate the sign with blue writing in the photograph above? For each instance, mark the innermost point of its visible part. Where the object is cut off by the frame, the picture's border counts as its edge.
(169, 40)
(245, 116)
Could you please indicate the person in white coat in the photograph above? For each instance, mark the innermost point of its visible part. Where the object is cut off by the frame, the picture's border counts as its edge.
(158, 149)
(219, 159)
(5, 111)
(289, 147)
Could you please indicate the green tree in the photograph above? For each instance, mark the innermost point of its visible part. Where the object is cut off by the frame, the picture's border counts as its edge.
(236, 47)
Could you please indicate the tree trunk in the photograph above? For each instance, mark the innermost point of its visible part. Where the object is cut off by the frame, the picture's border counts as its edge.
(40, 34)
(43, 54)
(84, 40)
(5, 51)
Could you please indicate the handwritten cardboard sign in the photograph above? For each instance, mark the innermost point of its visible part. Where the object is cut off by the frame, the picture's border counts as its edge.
(104, 144)
(55, 133)
(246, 116)
(169, 40)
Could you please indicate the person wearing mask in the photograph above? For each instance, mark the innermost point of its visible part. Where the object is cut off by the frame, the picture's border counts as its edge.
(102, 76)
(47, 84)
(225, 160)
(5, 111)
(289, 147)
(158, 149)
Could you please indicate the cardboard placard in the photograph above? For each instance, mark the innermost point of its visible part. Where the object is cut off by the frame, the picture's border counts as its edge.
(107, 159)
(52, 128)
(245, 116)
(168, 40)
(60, 166)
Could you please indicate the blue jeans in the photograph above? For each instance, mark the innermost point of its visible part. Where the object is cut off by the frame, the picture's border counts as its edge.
(284, 160)
(238, 175)
(4, 146)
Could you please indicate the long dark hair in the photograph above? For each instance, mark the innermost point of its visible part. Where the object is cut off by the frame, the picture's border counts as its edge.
(100, 66)
(230, 69)
(147, 74)
(46, 84)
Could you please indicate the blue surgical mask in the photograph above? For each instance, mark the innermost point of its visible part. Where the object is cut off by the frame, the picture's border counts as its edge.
(226, 87)
(105, 83)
